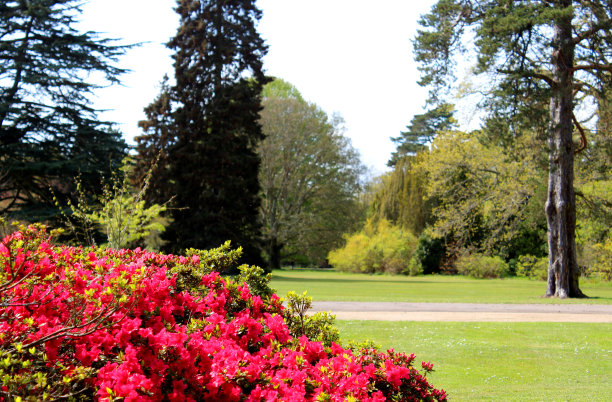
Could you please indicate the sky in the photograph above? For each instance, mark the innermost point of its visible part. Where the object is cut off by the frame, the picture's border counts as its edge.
(351, 57)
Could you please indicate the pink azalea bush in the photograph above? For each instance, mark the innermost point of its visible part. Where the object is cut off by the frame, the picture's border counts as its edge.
(140, 326)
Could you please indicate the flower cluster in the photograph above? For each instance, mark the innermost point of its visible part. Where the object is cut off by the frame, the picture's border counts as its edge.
(106, 324)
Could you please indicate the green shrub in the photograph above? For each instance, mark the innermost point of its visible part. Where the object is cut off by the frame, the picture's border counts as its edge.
(429, 253)
(482, 266)
(383, 248)
(532, 267)
(317, 327)
(602, 264)
(414, 268)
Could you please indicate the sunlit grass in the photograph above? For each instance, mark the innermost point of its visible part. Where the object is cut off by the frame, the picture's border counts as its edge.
(503, 361)
(338, 286)
(478, 361)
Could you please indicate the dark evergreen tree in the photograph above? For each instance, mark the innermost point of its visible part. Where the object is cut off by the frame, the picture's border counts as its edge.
(152, 147)
(557, 50)
(210, 163)
(422, 130)
(49, 133)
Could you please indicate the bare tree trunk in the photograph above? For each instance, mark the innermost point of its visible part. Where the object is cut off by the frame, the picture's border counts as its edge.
(563, 272)
(274, 251)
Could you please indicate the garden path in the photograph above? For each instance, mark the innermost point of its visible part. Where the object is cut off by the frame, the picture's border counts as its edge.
(398, 311)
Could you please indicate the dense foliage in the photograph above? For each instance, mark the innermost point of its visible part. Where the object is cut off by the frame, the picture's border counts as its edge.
(49, 132)
(400, 196)
(206, 128)
(106, 324)
(309, 176)
(380, 247)
(542, 79)
(532, 53)
(482, 266)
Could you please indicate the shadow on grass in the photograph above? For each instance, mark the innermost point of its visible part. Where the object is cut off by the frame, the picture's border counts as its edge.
(342, 280)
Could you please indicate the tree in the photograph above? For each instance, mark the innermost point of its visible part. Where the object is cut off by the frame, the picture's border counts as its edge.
(594, 195)
(310, 176)
(422, 130)
(559, 48)
(49, 133)
(153, 145)
(484, 199)
(206, 126)
(401, 197)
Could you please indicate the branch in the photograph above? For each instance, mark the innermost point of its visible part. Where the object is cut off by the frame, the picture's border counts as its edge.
(595, 66)
(588, 33)
(97, 322)
(540, 76)
(583, 140)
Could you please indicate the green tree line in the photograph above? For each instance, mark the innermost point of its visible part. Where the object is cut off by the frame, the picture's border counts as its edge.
(218, 159)
(227, 153)
(534, 180)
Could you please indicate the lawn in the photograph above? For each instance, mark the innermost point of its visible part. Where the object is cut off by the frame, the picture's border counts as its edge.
(339, 286)
(482, 360)
(503, 361)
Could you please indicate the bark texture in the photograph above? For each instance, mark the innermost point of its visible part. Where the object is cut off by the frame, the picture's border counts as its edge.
(563, 272)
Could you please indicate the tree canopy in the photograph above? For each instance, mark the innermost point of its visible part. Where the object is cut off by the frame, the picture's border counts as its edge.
(310, 177)
(530, 50)
(49, 132)
(422, 130)
(207, 128)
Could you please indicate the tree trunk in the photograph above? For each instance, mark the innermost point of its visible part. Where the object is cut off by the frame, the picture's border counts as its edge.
(563, 272)
(274, 252)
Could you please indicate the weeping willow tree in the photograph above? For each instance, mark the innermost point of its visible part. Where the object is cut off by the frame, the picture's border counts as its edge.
(400, 197)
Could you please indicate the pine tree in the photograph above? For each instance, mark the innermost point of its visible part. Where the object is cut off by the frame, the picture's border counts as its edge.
(49, 133)
(152, 147)
(556, 49)
(211, 163)
(422, 130)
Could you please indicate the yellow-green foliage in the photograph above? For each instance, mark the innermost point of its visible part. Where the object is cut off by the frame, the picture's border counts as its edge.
(593, 234)
(482, 266)
(602, 265)
(478, 189)
(120, 212)
(380, 247)
(532, 267)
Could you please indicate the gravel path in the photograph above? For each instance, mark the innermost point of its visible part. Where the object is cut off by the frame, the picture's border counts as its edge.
(391, 311)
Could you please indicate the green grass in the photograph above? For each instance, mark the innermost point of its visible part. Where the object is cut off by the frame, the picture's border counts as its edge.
(503, 361)
(339, 286)
(478, 361)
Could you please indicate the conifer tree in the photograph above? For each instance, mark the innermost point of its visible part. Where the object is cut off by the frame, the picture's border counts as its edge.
(422, 130)
(210, 162)
(557, 49)
(49, 133)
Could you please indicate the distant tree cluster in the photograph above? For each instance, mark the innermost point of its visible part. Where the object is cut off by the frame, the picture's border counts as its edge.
(270, 173)
(495, 190)
(213, 163)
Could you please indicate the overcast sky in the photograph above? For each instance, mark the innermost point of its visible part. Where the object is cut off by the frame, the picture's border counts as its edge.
(353, 57)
